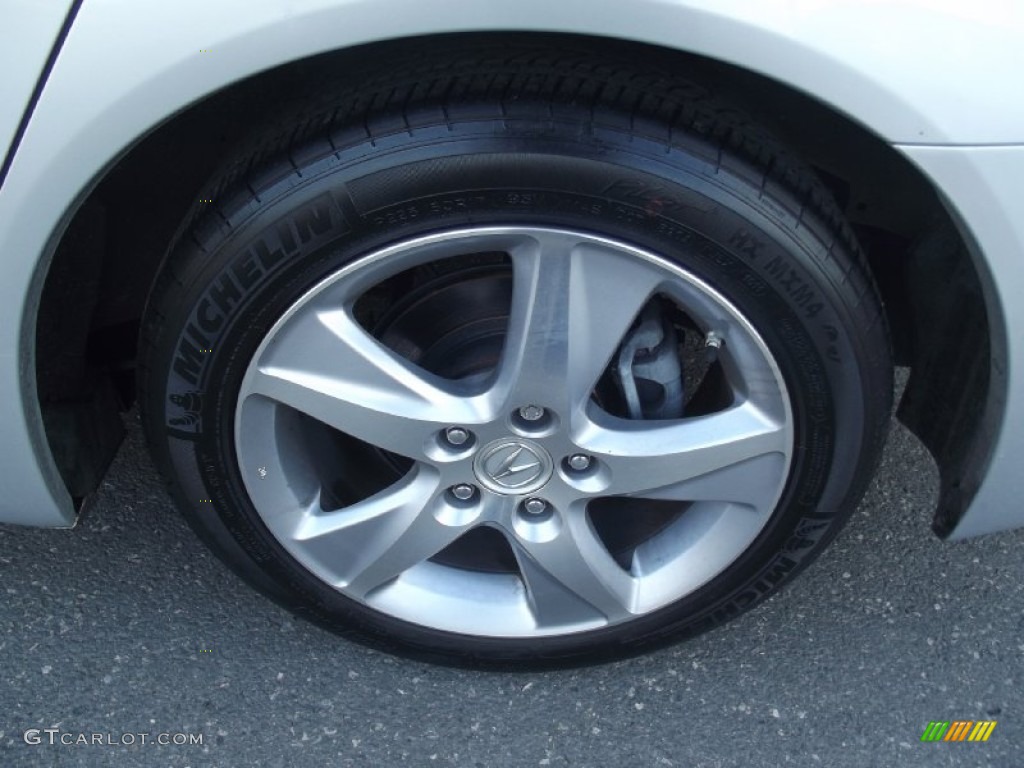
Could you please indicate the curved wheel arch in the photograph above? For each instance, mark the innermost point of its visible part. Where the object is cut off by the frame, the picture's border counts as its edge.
(142, 160)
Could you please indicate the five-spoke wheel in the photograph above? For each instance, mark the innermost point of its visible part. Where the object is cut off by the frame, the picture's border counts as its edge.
(524, 448)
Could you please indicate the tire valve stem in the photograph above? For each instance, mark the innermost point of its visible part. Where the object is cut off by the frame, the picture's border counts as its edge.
(712, 343)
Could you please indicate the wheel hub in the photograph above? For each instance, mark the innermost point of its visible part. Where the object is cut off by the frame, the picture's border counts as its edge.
(513, 466)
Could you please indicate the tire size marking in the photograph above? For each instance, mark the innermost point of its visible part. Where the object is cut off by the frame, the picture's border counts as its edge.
(452, 205)
(397, 216)
(556, 202)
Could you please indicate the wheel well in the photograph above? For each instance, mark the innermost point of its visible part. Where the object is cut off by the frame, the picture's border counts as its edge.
(107, 260)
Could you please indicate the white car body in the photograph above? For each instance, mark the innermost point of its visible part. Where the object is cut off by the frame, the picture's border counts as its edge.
(936, 79)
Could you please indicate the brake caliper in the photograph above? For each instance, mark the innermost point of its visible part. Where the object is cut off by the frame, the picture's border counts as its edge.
(649, 371)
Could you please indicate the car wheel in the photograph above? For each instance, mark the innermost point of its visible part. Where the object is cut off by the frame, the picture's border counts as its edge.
(516, 356)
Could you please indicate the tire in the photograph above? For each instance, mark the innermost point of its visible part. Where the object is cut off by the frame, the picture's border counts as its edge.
(516, 355)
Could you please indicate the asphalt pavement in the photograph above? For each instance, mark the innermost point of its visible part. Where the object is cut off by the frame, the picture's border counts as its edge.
(126, 626)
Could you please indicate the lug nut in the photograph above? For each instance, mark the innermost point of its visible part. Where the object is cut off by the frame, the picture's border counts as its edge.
(463, 491)
(456, 435)
(535, 506)
(531, 413)
(579, 462)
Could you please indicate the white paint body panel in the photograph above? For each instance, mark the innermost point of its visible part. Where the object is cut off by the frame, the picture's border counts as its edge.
(913, 71)
(28, 29)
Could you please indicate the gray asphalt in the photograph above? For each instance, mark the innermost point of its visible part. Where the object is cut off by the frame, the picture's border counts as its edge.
(126, 625)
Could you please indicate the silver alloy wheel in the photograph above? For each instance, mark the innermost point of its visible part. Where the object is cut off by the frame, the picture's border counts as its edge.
(574, 298)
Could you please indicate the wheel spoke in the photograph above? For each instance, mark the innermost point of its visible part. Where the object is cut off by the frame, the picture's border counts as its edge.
(572, 303)
(325, 365)
(732, 455)
(374, 541)
(753, 482)
(573, 578)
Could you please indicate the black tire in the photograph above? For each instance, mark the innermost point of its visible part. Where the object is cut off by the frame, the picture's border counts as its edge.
(518, 135)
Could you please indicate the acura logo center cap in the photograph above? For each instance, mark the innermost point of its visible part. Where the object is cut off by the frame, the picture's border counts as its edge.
(513, 466)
